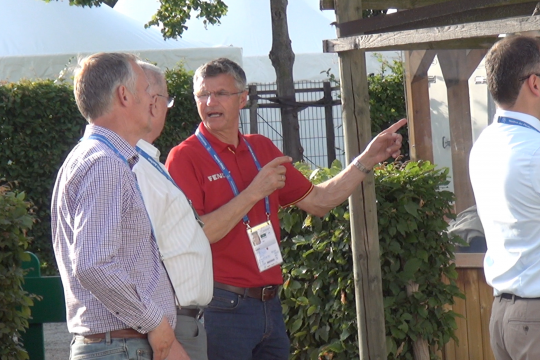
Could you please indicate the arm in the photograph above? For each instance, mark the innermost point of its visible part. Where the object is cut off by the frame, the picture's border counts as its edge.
(98, 244)
(333, 192)
(220, 222)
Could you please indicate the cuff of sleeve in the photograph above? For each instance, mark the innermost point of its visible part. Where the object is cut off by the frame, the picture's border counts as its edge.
(149, 320)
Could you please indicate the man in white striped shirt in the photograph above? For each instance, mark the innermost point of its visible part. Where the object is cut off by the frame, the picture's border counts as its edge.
(184, 247)
(119, 301)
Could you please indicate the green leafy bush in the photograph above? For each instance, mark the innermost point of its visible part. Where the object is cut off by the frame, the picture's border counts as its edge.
(15, 220)
(318, 293)
(40, 124)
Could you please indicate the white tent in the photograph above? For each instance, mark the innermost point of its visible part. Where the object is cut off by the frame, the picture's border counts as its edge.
(248, 25)
(40, 38)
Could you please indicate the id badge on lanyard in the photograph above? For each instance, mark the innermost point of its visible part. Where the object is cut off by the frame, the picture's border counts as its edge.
(265, 245)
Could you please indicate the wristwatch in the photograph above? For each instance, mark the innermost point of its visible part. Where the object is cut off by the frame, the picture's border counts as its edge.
(360, 166)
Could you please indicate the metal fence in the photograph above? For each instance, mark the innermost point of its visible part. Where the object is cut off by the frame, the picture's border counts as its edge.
(321, 131)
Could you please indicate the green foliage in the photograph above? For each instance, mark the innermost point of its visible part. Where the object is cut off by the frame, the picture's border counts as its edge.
(15, 220)
(387, 99)
(173, 14)
(40, 124)
(318, 293)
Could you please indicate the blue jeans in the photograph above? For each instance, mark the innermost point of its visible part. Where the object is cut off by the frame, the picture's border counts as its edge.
(117, 349)
(243, 328)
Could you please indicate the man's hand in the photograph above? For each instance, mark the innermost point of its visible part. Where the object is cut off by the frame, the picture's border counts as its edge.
(178, 352)
(384, 145)
(161, 339)
(270, 178)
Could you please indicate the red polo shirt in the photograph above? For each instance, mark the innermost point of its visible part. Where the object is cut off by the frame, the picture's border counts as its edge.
(203, 182)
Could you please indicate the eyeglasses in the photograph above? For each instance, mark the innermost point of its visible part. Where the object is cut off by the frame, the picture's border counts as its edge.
(528, 76)
(218, 95)
(170, 100)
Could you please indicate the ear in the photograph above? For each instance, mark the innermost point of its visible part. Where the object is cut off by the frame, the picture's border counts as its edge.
(123, 95)
(243, 99)
(154, 107)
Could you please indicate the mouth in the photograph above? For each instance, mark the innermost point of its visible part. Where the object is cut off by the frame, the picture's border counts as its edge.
(214, 114)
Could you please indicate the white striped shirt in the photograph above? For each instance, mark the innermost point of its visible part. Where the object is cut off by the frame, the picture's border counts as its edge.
(184, 247)
(108, 259)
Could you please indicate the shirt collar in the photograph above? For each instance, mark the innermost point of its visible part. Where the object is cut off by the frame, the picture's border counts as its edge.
(529, 119)
(219, 145)
(123, 147)
(149, 149)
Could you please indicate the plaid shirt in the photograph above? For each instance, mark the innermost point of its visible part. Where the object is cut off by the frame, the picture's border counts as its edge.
(107, 256)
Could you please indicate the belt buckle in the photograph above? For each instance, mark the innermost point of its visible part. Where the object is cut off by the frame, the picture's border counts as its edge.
(200, 314)
(264, 293)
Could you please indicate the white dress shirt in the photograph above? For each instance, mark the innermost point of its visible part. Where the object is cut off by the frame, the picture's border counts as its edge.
(184, 247)
(505, 175)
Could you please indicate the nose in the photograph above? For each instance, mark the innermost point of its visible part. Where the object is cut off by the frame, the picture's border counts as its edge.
(212, 99)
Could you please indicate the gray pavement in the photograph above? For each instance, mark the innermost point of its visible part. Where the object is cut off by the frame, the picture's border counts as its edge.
(57, 340)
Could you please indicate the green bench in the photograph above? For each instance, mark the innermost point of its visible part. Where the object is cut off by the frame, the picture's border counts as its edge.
(51, 308)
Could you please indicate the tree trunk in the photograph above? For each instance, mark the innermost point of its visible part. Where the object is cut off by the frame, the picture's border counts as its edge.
(282, 58)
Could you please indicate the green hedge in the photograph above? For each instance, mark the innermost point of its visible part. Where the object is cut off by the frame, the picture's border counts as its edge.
(40, 124)
(318, 294)
(15, 220)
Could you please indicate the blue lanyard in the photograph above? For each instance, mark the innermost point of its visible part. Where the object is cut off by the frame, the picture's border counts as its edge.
(106, 141)
(159, 168)
(510, 121)
(226, 171)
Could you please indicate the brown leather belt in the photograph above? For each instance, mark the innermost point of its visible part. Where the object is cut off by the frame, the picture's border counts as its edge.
(263, 293)
(196, 313)
(118, 334)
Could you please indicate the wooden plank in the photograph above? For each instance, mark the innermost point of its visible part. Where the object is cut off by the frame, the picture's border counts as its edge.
(426, 38)
(462, 349)
(391, 4)
(362, 205)
(486, 303)
(329, 124)
(448, 13)
(449, 350)
(474, 323)
(417, 64)
(470, 260)
(454, 68)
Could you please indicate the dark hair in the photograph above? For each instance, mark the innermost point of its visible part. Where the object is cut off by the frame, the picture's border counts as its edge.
(508, 63)
(222, 66)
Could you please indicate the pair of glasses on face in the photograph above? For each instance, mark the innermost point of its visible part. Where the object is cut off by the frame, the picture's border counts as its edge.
(528, 76)
(170, 100)
(218, 95)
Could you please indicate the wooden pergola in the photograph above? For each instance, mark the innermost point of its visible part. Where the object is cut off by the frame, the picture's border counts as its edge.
(460, 32)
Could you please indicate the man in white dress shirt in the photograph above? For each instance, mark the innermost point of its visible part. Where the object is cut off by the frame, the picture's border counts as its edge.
(184, 248)
(505, 175)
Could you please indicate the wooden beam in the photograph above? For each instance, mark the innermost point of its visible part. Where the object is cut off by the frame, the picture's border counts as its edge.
(362, 203)
(455, 66)
(416, 65)
(393, 4)
(427, 38)
(449, 13)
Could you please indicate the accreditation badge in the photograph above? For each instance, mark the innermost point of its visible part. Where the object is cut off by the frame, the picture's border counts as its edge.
(265, 246)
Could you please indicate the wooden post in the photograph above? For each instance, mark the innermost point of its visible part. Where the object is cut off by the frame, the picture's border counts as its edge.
(253, 107)
(363, 211)
(457, 67)
(329, 120)
(417, 64)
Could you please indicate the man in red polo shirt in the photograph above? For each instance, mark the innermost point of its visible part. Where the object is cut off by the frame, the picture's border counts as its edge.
(237, 184)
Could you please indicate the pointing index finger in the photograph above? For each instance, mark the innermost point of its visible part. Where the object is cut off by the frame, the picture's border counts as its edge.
(395, 126)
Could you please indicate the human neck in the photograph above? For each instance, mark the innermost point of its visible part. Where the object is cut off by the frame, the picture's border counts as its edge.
(114, 124)
(227, 137)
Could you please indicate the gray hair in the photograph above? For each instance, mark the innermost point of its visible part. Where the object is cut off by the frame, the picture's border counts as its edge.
(97, 78)
(222, 66)
(155, 76)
